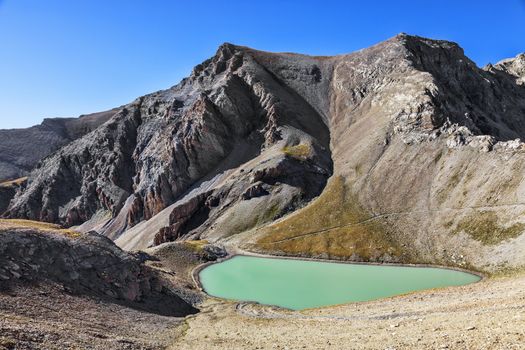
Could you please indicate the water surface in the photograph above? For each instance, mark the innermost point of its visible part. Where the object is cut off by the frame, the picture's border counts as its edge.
(300, 284)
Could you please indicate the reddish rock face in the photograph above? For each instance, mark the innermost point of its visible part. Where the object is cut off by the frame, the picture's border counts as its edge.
(181, 216)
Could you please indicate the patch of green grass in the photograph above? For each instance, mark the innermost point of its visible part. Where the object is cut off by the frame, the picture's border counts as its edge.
(509, 272)
(485, 228)
(448, 224)
(301, 151)
(454, 180)
(358, 169)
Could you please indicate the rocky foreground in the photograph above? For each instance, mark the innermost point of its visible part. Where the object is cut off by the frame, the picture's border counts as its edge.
(54, 314)
(60, 289)
(486, 315)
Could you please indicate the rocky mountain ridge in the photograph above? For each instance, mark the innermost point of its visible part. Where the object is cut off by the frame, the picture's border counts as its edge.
(407, 133)
(18, 156)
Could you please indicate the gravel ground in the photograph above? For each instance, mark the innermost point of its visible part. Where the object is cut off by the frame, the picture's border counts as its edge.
(486, 315)
(46, 317)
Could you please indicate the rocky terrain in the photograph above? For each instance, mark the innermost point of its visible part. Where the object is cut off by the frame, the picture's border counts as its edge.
(385, 154)
(85, 263)
(402, 152)
(22, 149)
(8, 190)
(60, 289)
(50, 318)
(485, 315)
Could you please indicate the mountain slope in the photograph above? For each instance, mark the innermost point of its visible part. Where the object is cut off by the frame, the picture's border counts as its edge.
(229, 111)
(410, 132)
(418, 135)
(18, 156)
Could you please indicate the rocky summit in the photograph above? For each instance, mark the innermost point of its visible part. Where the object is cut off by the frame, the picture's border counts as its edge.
(404, 152)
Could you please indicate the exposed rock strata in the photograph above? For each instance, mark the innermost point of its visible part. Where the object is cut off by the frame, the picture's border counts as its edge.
(22, 149)
(153, 150)
(415, 130)
(90, 264)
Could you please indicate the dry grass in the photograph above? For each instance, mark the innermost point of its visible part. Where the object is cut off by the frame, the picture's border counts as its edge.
(15, 182)
(333, 226)
(451, 184)
(484, 227)
(196, 245)
(13, 224)
(301, 151)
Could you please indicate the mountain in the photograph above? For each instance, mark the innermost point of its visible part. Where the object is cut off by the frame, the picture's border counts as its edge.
(405, 151)
(18, 156)
(513, 66)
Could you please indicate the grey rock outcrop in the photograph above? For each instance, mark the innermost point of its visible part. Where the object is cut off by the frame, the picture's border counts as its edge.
(22, 149)
(513, 66)
(90, 264)
(6, 194)
(8, 190)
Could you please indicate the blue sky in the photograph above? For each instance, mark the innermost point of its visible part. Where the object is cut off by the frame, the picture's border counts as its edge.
(65, 57)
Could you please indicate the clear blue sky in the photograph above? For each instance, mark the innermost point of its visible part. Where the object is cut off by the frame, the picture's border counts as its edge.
(68, 57)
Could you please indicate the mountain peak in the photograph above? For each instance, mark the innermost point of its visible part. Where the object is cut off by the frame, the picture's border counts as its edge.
(514, 66)
(251, 136)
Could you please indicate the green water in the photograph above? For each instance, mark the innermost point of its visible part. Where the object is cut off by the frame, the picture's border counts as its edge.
(300, 284)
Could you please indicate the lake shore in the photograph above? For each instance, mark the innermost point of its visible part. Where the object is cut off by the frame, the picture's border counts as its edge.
(233, 252)
(486, 315)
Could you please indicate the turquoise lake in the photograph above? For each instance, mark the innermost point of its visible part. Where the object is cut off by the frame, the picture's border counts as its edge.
(301, 284)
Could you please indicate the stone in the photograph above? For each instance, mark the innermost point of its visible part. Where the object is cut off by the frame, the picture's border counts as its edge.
(111, 272)
(19, 156)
